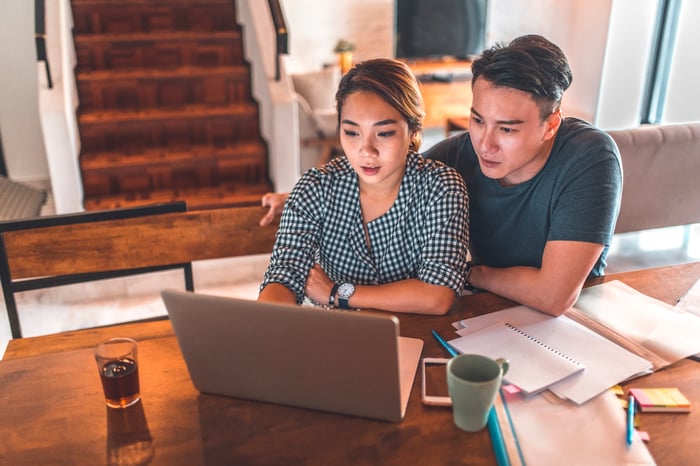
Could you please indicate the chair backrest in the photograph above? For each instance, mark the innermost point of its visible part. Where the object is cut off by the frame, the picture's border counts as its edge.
(660, 164)
(74, 248)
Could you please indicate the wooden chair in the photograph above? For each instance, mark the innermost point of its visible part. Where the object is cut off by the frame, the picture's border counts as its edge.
(75, 248)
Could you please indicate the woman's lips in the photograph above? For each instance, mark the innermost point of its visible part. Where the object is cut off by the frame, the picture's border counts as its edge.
(370, 171)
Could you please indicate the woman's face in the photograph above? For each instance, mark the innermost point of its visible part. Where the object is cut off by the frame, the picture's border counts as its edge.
(375, 138)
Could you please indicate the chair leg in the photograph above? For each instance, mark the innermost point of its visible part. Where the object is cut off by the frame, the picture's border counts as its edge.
(12, 316)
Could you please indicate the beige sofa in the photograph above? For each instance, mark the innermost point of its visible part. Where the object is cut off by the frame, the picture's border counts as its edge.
(661, 170)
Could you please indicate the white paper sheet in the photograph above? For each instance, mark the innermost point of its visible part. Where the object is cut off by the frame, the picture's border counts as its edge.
(562, 433)
(671, 333)
(606, 364)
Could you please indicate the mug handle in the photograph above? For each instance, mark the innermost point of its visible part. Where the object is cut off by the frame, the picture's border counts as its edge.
(503, 364)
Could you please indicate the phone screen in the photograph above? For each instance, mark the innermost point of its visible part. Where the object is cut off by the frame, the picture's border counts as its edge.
(434, 386)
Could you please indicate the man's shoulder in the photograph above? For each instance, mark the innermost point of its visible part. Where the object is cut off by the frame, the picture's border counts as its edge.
(586, 135)
(448, 149)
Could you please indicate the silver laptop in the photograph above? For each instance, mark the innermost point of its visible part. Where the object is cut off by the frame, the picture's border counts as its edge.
(344, 362)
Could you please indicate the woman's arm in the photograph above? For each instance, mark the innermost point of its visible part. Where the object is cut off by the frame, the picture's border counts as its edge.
(410, 295)
(277, 293)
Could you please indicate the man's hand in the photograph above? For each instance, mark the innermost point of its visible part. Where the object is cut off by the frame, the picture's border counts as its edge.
(275, 201)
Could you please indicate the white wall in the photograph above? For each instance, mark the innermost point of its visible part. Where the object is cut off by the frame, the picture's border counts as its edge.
(626, 61)
(22, 139)
(683, 98)
(316, 26)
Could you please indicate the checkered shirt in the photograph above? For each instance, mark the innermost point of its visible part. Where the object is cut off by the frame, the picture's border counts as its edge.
(424, 235)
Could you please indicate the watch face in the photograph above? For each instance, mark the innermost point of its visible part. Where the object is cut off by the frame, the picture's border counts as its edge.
(346, 290)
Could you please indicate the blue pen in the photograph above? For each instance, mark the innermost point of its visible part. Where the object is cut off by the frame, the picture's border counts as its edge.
(630, 420)
(444, 344)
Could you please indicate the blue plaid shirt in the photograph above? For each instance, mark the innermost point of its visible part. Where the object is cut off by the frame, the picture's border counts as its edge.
(424, 235)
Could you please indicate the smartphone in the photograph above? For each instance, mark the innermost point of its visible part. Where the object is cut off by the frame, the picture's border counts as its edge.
(434, 382)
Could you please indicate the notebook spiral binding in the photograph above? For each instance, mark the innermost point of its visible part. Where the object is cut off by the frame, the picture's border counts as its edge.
(530, 337)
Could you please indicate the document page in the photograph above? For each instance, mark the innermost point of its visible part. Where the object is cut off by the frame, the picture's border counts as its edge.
(671, 333)
(562, 433)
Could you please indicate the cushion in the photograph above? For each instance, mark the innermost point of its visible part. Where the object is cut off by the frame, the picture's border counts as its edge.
(318, 87)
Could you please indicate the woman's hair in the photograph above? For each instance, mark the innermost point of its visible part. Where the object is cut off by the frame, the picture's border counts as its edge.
(530, 64)
(394, 82)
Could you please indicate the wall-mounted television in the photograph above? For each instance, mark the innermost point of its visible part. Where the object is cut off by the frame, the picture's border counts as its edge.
(430, 29)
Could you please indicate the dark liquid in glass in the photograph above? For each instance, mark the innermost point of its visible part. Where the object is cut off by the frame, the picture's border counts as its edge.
(120, 381)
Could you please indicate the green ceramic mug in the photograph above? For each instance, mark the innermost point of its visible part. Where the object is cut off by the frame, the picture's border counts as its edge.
(473, 381)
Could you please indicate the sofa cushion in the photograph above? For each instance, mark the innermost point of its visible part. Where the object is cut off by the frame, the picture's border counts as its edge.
(661, 166)
(318, 87)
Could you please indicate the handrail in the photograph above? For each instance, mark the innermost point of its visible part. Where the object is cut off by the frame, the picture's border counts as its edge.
(281, 34)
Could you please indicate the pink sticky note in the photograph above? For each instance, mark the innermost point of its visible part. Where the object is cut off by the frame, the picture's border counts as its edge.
(511, 389)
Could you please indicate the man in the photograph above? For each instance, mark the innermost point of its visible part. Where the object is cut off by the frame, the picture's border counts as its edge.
(544, 190)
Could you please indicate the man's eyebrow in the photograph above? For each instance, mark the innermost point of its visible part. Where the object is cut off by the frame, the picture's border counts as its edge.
(500, 122)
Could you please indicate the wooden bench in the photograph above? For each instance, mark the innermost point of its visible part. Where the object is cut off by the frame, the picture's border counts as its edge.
(74, 248)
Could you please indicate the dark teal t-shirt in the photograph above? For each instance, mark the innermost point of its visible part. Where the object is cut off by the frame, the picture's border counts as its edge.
(575, 197)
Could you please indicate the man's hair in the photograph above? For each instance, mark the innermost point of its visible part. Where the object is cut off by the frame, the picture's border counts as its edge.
(531, 64)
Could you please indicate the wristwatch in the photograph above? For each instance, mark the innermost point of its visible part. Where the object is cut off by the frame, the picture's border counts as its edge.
(345, 290)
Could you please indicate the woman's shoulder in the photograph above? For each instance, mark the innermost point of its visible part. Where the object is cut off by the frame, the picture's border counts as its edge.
(435, 171)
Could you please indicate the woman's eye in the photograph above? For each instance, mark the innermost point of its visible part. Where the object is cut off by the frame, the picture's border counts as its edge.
(386, 134)
(349, 132)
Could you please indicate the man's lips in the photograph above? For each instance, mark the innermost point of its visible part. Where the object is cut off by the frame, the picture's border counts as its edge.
(488, 163)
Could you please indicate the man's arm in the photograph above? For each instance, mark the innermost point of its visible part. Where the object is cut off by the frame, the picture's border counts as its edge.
(275, 201)
(554, 287)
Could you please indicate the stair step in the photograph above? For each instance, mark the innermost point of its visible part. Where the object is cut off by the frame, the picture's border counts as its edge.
(112, 160)
(163, 88)
(196, 198)
(113, 173)
(158, 50)
(166, 110)
(104, 16)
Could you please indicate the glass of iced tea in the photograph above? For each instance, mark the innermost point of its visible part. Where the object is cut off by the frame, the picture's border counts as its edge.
(119, 372)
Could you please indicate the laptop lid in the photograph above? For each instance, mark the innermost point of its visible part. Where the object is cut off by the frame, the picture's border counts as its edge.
(344, 362)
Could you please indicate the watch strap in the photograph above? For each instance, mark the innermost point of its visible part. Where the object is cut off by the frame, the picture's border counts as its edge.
(334, 291)
(343, 303)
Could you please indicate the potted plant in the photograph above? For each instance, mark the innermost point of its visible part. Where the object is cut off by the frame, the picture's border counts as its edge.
(344, 48)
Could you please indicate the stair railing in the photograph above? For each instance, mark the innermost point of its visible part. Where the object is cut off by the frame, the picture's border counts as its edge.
(281, 34)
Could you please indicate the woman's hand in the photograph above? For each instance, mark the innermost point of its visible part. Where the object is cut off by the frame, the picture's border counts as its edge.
(318, 285)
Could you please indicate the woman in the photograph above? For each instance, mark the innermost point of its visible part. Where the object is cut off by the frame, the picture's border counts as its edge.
(382, 227)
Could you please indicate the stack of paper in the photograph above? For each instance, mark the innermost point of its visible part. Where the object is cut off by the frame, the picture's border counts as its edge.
(606, 364)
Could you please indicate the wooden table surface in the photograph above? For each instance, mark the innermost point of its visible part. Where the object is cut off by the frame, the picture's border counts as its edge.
(52, 409)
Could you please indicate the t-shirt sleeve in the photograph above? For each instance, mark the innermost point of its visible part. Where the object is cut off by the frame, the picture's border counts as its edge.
(589, 200)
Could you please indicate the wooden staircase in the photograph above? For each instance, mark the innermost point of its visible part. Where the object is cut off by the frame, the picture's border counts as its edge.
(166, 111)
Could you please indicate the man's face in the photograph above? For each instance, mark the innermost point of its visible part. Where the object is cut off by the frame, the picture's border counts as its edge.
(508, 135)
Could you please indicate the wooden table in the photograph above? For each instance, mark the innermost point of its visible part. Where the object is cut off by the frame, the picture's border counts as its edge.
(52, 409)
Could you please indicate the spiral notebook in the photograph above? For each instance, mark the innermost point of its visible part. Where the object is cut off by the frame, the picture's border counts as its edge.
(534, 366)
